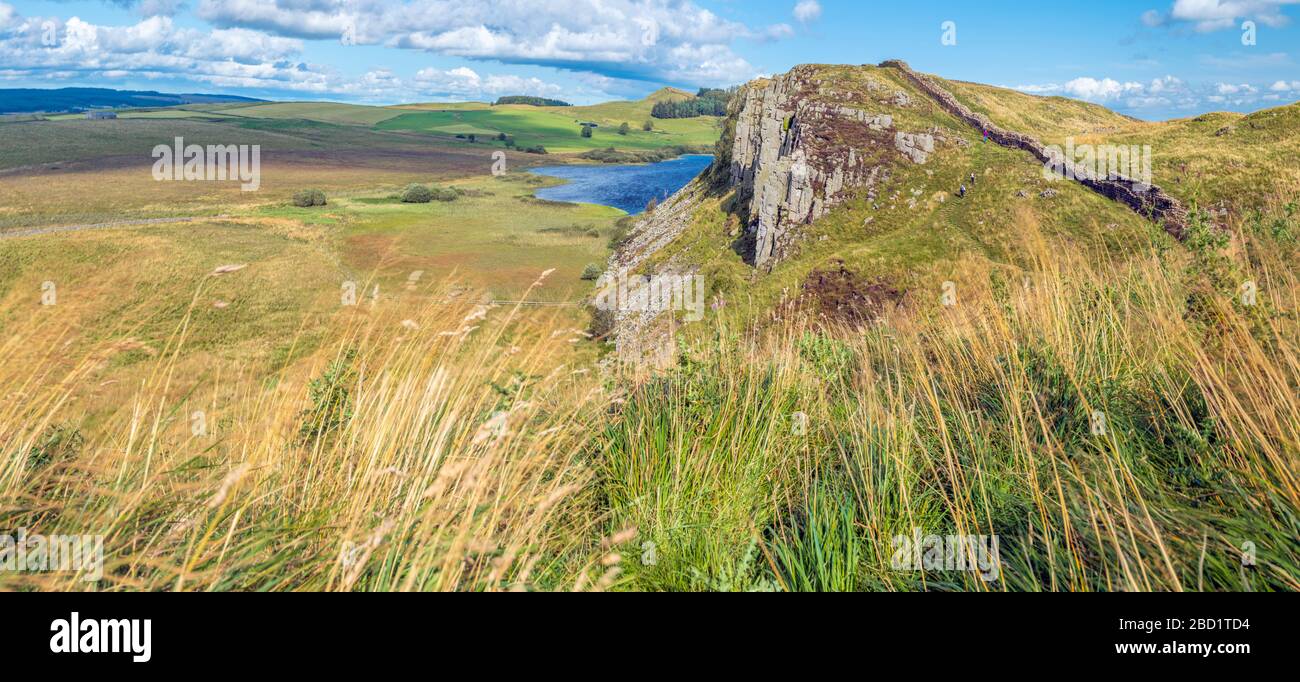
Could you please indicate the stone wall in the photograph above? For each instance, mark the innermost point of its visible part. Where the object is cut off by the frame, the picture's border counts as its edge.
(1150, 201)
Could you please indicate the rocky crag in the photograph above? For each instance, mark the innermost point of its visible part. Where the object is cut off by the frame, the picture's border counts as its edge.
(799, 144)
(797, 152)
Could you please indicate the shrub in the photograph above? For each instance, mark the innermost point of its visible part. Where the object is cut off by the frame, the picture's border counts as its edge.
(648, 126)
(592, 272)
(623, 129)
(621, 232)
(586, 131)
(445, 193)
(59, 442)
(539, 149)
(309, 197)
(417, 194)
(331, 400)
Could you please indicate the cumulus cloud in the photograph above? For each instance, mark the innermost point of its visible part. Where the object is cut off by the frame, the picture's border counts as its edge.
(664, 40)
(465, 83)
(233, 57)
(1235, 89)
(154, 48)
(807, 10)
(1103, 90)
(1215, 15)
(1168, 92)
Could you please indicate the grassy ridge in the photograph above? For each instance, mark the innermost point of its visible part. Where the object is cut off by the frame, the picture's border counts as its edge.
(467, 450)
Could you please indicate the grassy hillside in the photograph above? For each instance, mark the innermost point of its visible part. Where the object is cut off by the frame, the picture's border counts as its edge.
(327, 112)
(21, 100)
(914, 233)
(79, 140)
(441, 436)
(125, 291)
(429, 444)
(558, 129)
(1213, 160)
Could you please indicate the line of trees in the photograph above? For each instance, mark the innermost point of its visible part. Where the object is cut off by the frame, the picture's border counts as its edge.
(533, 101)
(708, 102)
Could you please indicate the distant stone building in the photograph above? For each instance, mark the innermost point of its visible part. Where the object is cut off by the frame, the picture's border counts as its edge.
(100, 115)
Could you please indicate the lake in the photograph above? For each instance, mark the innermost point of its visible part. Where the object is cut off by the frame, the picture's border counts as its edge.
(628, 188)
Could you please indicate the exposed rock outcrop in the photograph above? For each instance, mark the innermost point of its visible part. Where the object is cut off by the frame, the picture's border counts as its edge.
(635, 329)
(795, 156)
(1148, 200)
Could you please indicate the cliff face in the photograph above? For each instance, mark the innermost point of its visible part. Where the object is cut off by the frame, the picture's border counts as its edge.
(797, 145)
(800, 148)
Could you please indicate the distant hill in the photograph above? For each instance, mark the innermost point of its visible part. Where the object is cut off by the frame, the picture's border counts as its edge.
(532, 101)
(29, 100)
(668, 95)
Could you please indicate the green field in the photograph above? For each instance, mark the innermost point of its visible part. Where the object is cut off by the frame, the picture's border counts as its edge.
(326, 112)
(328, 125)
(558, 129)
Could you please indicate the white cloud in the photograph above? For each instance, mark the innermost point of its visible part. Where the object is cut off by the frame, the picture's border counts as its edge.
(618, 38)
(156, 48)
(807, 10)
(1215, 15)
(1102, 90)
(1168, 92)
(1235, 89)
(465, 83)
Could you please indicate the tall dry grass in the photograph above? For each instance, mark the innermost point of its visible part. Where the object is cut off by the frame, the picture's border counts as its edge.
(437, 450)
(463, 448)
(978, 419)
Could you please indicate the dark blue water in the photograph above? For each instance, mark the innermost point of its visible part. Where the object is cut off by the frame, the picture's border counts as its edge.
(628, 188)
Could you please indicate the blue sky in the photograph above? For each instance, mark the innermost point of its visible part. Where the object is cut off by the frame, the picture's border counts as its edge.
(1153, 59)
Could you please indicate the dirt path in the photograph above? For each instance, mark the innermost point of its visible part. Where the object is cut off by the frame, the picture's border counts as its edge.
(54, 229)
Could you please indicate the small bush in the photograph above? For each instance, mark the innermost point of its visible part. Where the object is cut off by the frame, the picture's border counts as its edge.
(623, 129)
(60, 442)
(445, 193)
(621, 232)
(417, 194)
(539, 149)
(309, 197)
(592, 272)
(331, 400)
